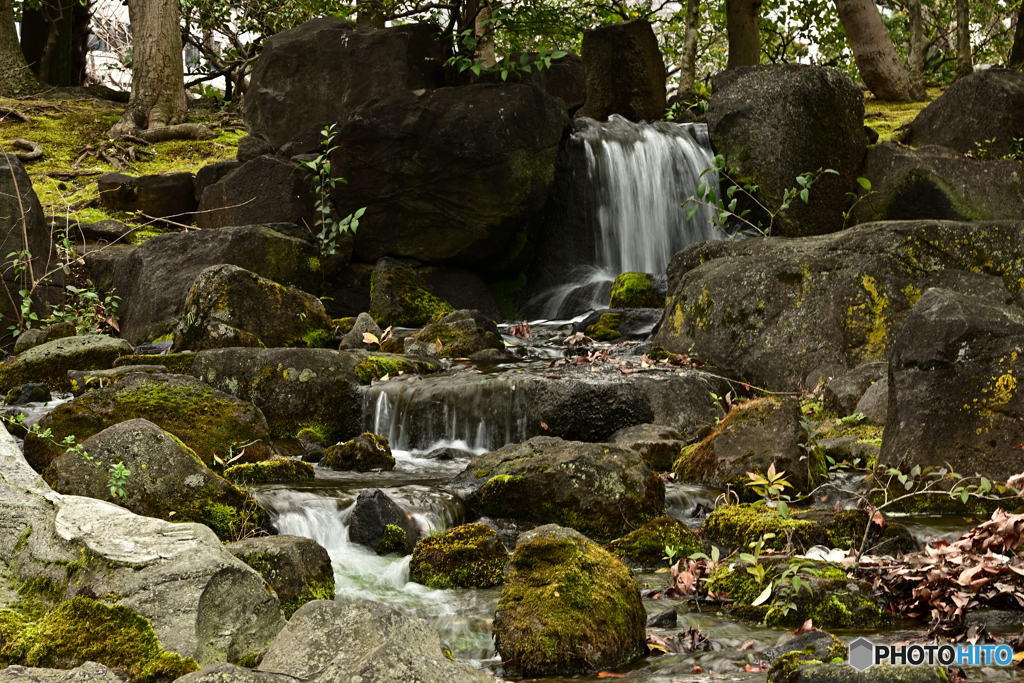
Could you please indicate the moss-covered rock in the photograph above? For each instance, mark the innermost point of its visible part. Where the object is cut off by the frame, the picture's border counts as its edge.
(28, 393)
(379, 365)
(660, 446)
(606, 328)
(811, 671)
(813, 647)
(82, 630)
(468, 556)
(461, 333)
(365, 453)
(167, 480)
(752, 437)
(230, 306)
(601, 490)
(399, 297)
(737, 525)
(567, 607)
(276, 469)
(176, 363)
(635, 290)
(209, 422)
(830, 599)
(645, 547)
(49, 363)
(87, 380)
(298, 569)
(40, 335)
(394, 541)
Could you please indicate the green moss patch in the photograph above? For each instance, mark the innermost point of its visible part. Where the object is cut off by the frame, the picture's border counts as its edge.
(635, 290)
(376, 367)
(394, 541)
(890, 116)
(278, 469)
(315, 590)
(82, 630)
(176, 363)
(606, 328)
(468, 556)
(645, 547)
(364, 453)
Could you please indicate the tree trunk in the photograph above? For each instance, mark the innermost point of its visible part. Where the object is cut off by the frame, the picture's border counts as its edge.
(158, 75)
(15, 76)
(484, 36)
(741, 23)
(1017, 53)
(688, 64)
(368, 14)
(883, 71)
(918, 45)
(964, 60)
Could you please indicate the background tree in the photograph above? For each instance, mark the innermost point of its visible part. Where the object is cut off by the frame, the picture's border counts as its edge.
(881, 68)
(15, 76)
(918, 46)
(743, 27)
(1017, 53)
(964, 59)
(688, 60)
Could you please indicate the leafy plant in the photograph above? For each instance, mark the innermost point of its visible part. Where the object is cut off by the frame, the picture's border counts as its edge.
(858, 198)
(118, 478)
(330, 230)
(670, 554)
(370, 338)
(771, 487)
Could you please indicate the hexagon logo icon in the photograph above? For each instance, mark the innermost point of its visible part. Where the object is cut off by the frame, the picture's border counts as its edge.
(862, 654)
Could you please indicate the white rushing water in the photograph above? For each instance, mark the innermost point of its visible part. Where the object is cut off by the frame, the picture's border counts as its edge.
(629, 184)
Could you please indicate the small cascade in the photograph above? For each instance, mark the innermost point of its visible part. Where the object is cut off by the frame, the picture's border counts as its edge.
(468, 415)
(619, 207)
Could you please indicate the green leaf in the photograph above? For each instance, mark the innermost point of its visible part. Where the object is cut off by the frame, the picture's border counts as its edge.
(801, 181)
(763, 597)
(558, 54)
(805, 195)
(865, 183)
(783, 509)
(963, 496)
(692, 210)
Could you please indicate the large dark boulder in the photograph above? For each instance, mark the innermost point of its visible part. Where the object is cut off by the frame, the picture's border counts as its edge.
(567, 607)
(601, 490)
(774, 123)
(166, 195)
(323, 71)
(19, 201)
(155, 278)
(938, 183)
(775, 310)
(984, 109)
(625, 72)
(955, 374)
(378, 523)
(400, 297)
(167, 480)
(230, 306)
(448, 175)
(49, 363)
(298, 569)
(566, 78)
(267, 189)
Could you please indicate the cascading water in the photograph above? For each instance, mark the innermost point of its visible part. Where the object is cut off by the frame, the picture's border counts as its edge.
(622, 187)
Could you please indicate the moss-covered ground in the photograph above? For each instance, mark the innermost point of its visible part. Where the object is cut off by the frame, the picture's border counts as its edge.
(66, 128)
(891, 115)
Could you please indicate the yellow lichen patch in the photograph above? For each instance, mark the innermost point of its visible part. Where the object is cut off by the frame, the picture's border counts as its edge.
(677, 318)
(699, 315)
(869, 318)
(912, 294)
(999, 392)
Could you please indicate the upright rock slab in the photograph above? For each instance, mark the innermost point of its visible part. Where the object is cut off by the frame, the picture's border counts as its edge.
(776, 122)
(625, 72)
(956, 387)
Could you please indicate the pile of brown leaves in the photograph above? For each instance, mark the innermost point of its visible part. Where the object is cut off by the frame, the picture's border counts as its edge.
(984, 568)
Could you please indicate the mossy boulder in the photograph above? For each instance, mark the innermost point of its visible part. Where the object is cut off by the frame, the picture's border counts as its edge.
(401, 298)
(167, 480)
(738, 525)
(379, 524)
(298, 569)
(830, 599)
(956, 387)
(40, 335)
(274, 470)
(836, 672)
(28, 393)
(87, 380)
(754, 436)
(468, 556)
(230, 306)
(567, 607)
(776, 311)
(598, 489)
(365, 453)
(49, 363)
(208, 421)
(812, 647)
(176, 363)
(635, 290)
(627, 323)
(644, 548)
(83, 630)
(461, 334)
(381, 365)
(606, 328)
(660, 446)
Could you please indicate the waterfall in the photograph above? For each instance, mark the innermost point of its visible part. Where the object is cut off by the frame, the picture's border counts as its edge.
(622, 187)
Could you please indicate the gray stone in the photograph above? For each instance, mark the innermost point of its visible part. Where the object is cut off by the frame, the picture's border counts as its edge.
(462, 333)
(87, 380)
(208, 175)
(373, 512)
(292, 565)
(201, 601)
(842, 393)
(625, 72)
(353, 339)
(90, 672)
(49, 363)
(657, 444)
(875, 402)
(167, 195)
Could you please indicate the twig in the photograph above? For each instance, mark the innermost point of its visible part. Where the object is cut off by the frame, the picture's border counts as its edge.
(35, 150)
(64, 175)
(13, 113)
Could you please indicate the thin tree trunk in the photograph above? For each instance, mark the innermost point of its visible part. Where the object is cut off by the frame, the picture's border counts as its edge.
(484, 36)
(158, 75)
(742, 24)
(883, 71)
(964, 59)
(15, 76)
(917, 43)
(688, 64)
(1017, 53)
